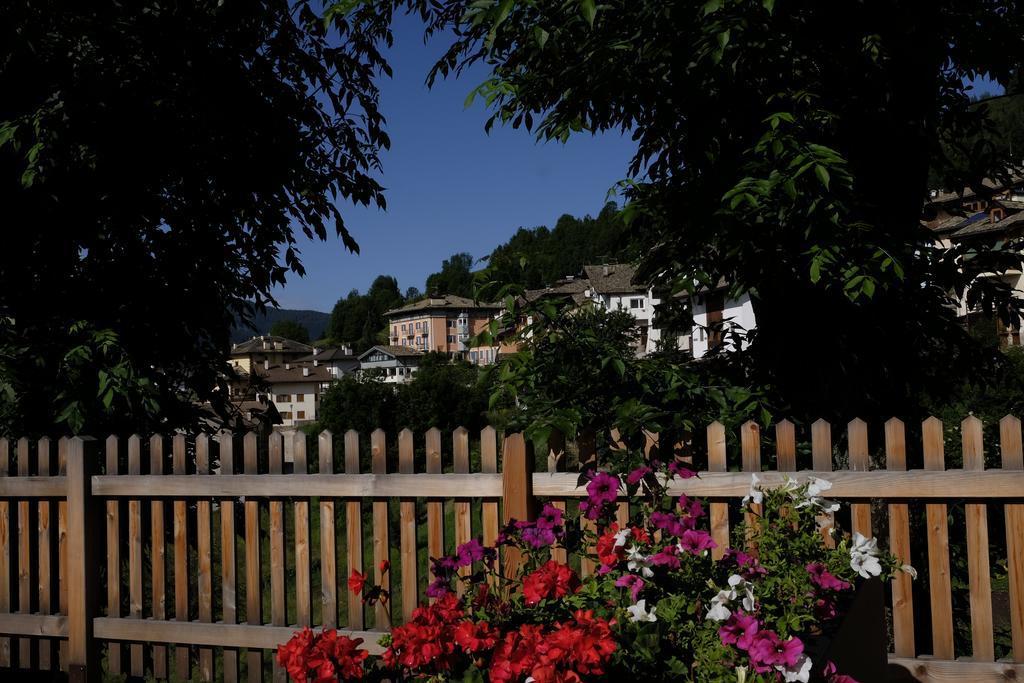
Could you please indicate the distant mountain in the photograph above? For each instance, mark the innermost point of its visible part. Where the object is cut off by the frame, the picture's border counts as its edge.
(314, 321)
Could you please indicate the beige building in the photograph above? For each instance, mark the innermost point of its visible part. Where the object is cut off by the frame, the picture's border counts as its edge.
(444, 324)
(276, 350)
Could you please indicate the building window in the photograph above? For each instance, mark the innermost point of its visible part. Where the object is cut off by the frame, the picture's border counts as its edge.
(451, 339)
(403, 327)
(636, 303)
(286, 415)
(472, 356)
(284, 398)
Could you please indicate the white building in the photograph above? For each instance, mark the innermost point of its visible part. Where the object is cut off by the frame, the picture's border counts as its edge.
(396, 364)
(612, 287)
(338, 360)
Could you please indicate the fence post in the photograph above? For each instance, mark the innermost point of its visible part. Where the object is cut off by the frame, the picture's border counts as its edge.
(83, 651)
(517, 493)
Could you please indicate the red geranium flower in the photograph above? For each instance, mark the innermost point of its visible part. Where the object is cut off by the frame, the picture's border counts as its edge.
(552, 580)
(355, 582)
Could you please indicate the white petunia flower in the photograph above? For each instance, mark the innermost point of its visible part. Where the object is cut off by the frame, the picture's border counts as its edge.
(719, 610)
(741, 586)
(638, 612)
(864, 556)
(621, 537)
(816, 486)
(755, 495)
(800, 673)
(741, 674)
(909, 570)
(636, 560)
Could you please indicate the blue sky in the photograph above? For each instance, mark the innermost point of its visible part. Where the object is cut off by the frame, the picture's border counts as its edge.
(450, 186)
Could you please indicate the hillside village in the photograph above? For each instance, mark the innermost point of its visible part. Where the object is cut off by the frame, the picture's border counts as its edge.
(280, 381)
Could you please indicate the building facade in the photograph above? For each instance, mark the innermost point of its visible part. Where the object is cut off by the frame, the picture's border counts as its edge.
(443, 324)
(395, 364)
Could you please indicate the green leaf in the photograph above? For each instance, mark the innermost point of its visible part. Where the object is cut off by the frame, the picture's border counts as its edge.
(712, 6)
(588, 10)
(822, 174)
(541, 36)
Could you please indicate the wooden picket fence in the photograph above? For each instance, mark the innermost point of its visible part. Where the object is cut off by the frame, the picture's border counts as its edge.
(194, 558)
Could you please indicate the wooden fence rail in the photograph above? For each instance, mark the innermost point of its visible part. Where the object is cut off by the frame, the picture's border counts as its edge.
(192, 559)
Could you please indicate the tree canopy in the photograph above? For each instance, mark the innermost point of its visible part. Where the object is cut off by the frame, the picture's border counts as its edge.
(358, 319)
(536, 257)
(156, 162)
(784, 150)
(289, 329)
(455, 276)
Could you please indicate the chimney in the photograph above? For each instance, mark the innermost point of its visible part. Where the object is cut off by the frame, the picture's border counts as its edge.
(315, 362)
(305, 371)
(315, 350)
(266, 365)
(604, 270)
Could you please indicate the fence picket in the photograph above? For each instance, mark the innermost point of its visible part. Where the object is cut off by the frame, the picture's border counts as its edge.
(938, 548)
(24, 556)
(157, 555)
(5, 552)
(587, 445)
(228, 559)
(137, 665)
(556, 463)
(62, 549)
(821, 457)
(517, 486)
(253, 576)
(750, 447)
(435, 506)
(979, 577)
(489, 465)
(45, 562)
(463, 520)
(303, 591)
(278, 597)
(719, 510)
(353, 531)
(785, 446)
(381, 546)
(114, 664)
(204, 537)
(407, 529)
(1013, 459)
(899, 545)
(182, 653)
(328, 553)
(860, 461)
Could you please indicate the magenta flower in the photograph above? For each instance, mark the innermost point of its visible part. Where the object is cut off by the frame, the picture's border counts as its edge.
(438, 588)
(669, 523)
(748, 567)
(696, 542)
(680, 471)
(691, 506)
(833, 676)
(535, 537)
(603, 489)
(822, 578)
(767, 649)
(550, 517)
(468, 553)
(636, 475)
(824, 609)
(631, 581)
(667, 557)
(739, 630)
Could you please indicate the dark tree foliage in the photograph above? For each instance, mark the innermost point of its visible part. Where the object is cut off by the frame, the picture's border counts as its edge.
(441, 394)
(156, 160)
(783, 148)
(360, 402)
(536, 257)
(455, 277)
(358, 319)
(289, 329)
